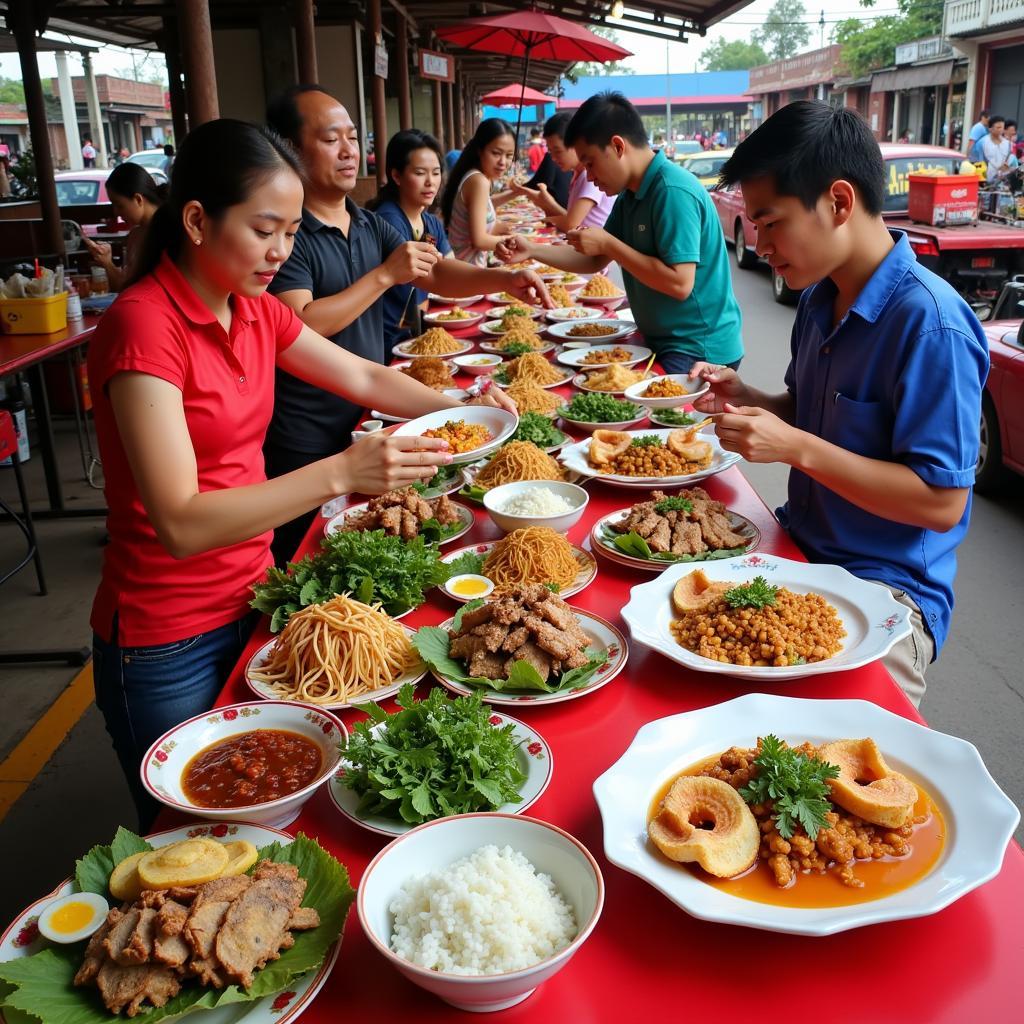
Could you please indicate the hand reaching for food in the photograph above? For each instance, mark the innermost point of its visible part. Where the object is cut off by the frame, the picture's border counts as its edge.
(756, 434)
(513, 249)
(382, 462)
(726, 386)
(528, 286)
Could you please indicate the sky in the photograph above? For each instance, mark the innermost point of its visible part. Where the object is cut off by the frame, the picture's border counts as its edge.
(649, 54)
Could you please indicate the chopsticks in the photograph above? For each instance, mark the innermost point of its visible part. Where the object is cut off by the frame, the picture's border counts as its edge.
(650, 363)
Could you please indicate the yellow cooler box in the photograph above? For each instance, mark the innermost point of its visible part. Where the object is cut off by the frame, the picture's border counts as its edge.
(34, 316)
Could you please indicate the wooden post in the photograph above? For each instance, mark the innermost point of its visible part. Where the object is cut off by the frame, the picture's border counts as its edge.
(378, 103)
(305, 41)
(175, 86)
(19, 20)
(439, 116)
(402, 77)
(197, 59)
(450, 110)
(460, 115)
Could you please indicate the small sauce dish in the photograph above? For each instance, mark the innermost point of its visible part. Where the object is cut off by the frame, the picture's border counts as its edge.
(469, 586)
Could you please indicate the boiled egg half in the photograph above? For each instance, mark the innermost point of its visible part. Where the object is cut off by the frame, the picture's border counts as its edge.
(73, 917)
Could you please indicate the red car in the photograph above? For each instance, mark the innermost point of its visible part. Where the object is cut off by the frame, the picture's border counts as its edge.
(977, 260)
(1002, 407)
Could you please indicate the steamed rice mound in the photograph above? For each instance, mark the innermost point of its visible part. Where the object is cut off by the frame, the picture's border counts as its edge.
(488, 913)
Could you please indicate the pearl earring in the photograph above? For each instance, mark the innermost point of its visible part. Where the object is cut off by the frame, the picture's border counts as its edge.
(198, 241)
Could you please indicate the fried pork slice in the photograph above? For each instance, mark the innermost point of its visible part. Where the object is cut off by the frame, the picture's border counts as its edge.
(304, 919)
(687, 539)
(492, 635)
(466, 646)
(716, 531)
(660, 538)
(120, 935)
(557, 642)
(485, 665)
(127, 988)
(201, 933)
(256, 924)
(506, 611)
(171, 950)
(444, 511)
(95, 954)
(139, 947)
(532, 655)
(171, 918)
(515, 639)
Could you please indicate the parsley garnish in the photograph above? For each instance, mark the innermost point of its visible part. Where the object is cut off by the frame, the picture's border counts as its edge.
(516, 348)
(758, 594)
(646, 441)
(796, 784)
(675, 504)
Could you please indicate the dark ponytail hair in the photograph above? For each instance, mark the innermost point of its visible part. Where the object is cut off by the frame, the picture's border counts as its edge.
(219, 165)
(129, 180)
(400, 150)
(489, 130)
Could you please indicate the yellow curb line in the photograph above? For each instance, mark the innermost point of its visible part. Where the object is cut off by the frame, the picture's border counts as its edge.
(20, 768)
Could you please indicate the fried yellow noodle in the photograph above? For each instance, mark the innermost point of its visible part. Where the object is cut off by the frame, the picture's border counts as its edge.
(599, 287)
(535, 554)
(435, 342)
(533, 368)
(531, 398)
(335, 652)
(518, 460)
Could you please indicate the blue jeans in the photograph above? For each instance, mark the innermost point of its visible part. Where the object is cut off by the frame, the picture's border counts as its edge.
(144, 691)
(680, 362)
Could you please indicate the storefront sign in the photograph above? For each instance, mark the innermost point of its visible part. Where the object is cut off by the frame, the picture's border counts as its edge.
(437, 66)
(380, 60)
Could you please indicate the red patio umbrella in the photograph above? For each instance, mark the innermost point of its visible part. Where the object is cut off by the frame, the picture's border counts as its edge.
(515, 95)
(531, 35)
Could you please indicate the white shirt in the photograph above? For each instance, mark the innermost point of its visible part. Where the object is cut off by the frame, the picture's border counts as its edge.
(995, 154)
(88, 151)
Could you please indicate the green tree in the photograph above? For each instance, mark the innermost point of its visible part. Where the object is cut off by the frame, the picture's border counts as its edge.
(870, 43)
(585, 69)
(11, 90)
(735, 56)
(784, 31)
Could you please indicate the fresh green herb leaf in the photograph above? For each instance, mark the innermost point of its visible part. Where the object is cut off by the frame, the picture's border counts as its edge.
(432, 758)
(759, 593)
(516, 348)
(473, 493)
(92, 872)
(646, 441)
(500, 375)
(469, 606)
(440, 481)
(594, 408)
(672, 417)
(674, 504)
(633, 544)
(467, 562)
(537, 429)
(796, 785)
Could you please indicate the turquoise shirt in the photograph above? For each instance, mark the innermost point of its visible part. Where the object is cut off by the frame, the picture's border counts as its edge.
(671, 217)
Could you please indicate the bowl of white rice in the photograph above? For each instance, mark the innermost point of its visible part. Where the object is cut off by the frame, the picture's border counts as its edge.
(525, 503)
(480, 909)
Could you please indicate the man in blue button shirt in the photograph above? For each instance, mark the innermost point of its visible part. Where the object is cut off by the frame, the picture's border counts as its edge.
(879, 420)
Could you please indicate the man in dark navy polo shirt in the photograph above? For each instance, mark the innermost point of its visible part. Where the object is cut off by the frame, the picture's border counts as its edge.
(344, 260)
(879, 420)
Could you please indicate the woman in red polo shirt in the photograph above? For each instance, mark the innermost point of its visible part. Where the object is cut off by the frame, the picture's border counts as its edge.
(182, 374)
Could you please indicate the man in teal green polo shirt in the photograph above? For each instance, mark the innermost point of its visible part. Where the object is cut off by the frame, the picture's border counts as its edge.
(664, 233)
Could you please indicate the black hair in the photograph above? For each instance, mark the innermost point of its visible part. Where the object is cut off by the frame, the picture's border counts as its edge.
(995, 119)
(983, 113)
(220, 164)
(283, 112)
(1010, 124)
(168, 149)
(399, 152)
(805, 147)
(130, 179)
(489, 130)
(557, 124)
(602, 116)
(534, 133)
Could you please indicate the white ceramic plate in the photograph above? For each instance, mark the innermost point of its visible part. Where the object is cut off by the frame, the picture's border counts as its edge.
(567, 376)
(620, 329)
(874, 620)
(572, 314)
(619, 425)
(586, 575)
(497, 312)
(655, 416)
(335, 524)
(603, 637)
(694, 389)
(459, 394)
(535, 758)
(601, 539)
(580, 381)
(574, 457)
(402, 351)
(499, 422)
(505, 298)
(438, 319)
(466, 300)
(980, 819)
(608, 301)
(22, 936)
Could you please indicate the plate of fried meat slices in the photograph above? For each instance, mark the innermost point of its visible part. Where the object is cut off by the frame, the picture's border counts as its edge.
(255, 895)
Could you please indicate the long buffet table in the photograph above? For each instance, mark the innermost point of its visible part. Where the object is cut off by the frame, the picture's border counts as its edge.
(647, 957)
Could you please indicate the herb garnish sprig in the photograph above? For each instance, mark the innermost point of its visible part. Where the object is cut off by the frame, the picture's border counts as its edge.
(796, 784)
(757, 594)
(673, 504)
(646, 441)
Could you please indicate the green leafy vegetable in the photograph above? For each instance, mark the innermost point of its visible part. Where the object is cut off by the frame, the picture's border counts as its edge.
(432, 758)
(759, 593)
(92, 872)
(40, 988)
(672, 417)
(594, 408)
(538, 429)
(467, 562)
(369, 565)
(796, 784)
(674, 504)
(432, 642)
(439, 482)
(500, 375)
(473, 492)
(516, 348)
(646, 441)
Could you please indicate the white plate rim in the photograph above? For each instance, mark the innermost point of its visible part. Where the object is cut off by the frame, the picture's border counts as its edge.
(658, 751)
(444, 300)
(573, 357)
(552, 315)
(464, 347)
(469, 414)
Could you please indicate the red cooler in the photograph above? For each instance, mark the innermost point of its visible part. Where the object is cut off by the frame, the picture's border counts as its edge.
(943, 199)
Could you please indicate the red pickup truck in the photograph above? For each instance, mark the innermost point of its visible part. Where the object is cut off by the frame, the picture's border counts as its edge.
(976, 259)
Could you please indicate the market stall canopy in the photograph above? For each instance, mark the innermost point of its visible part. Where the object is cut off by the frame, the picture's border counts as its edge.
(515, 96)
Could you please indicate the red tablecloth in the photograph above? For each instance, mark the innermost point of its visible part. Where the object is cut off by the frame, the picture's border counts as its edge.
(647, 956)
(19, 351)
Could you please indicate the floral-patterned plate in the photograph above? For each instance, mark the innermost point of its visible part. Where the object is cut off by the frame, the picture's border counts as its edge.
(22, 936)
(586, 575)
(874, 620)
(603, 637)
(535, 758)
(266, 692)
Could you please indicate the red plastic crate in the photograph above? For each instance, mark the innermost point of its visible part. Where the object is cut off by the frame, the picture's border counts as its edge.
(943, 199)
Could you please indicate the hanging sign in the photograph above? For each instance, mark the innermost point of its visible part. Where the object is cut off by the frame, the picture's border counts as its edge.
(437, 66)
(380, 58)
